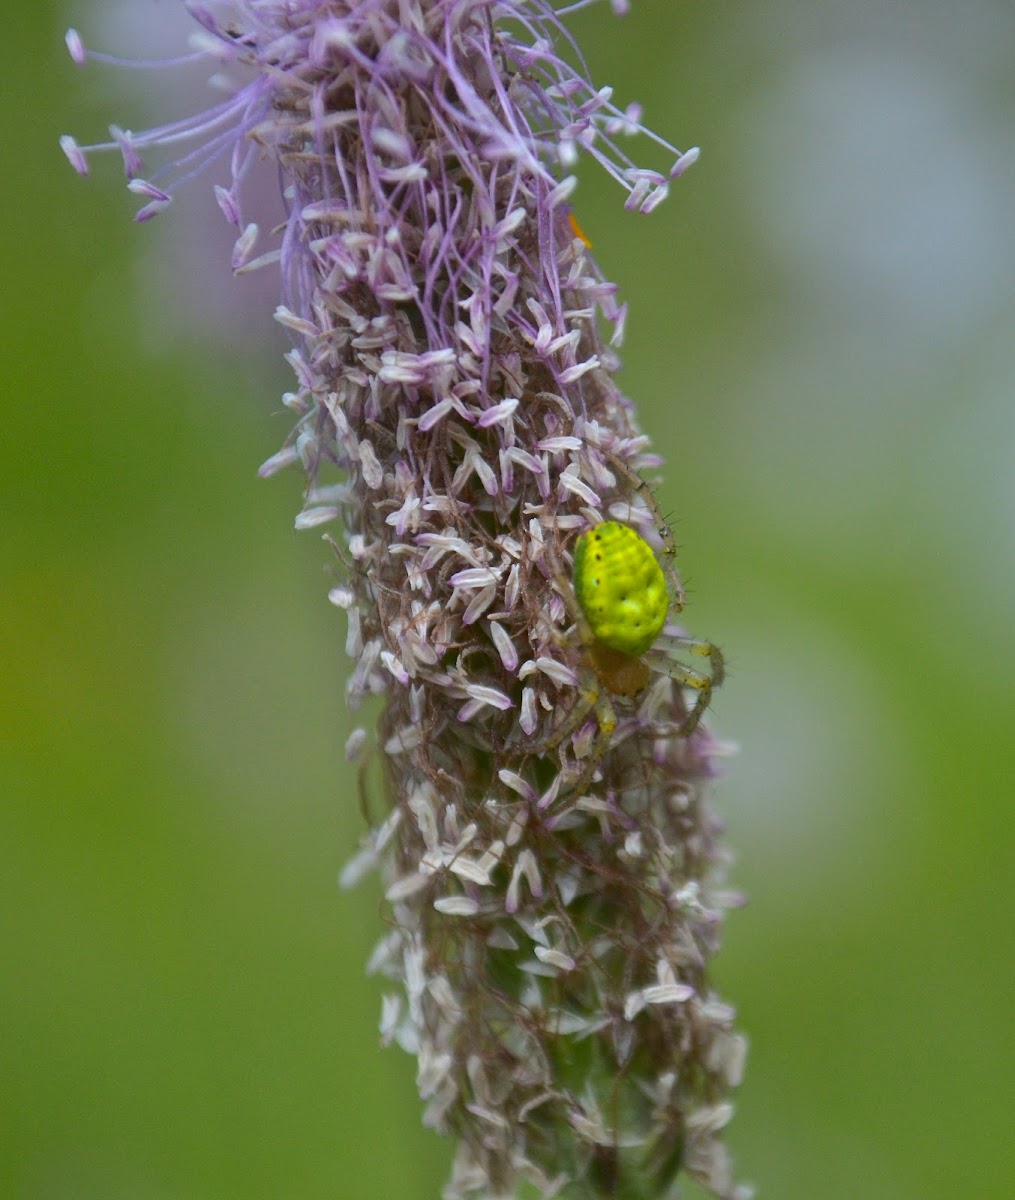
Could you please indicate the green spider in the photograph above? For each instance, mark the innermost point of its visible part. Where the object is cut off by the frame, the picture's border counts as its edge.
(622, 599)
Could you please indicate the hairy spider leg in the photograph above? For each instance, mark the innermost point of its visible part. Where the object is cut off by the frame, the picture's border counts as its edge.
(703, 683)
(592, 695)
(643, 489)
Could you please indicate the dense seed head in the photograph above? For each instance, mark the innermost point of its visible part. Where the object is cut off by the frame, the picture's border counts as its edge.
(620, 587)
(553, 902)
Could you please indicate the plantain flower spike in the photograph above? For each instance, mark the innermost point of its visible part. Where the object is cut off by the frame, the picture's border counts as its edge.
(552, 867)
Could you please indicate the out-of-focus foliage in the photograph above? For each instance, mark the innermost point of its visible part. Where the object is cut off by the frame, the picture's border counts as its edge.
(823, 311)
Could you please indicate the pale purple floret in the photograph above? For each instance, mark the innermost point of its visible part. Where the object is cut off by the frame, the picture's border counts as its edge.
(553, 885)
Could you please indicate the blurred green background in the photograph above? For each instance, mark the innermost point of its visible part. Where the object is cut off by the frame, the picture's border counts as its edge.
(821, 344)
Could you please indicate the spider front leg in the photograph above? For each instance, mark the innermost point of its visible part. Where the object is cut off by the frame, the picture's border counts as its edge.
(703, 683)
(590, 738)
(591, 694)
(591, 698)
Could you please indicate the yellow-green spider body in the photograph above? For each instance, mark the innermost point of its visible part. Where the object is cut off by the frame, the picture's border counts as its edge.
(620, 588)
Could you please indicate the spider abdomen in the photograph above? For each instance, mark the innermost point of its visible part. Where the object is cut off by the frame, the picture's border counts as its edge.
(620, 587)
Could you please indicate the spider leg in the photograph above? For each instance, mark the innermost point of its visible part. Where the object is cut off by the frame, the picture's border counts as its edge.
(635, 517)
(591, 696)
(703, 683)
(591, 693)
(586, 761)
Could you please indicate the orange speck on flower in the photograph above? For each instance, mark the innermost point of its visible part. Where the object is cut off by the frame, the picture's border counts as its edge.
(577, 230)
